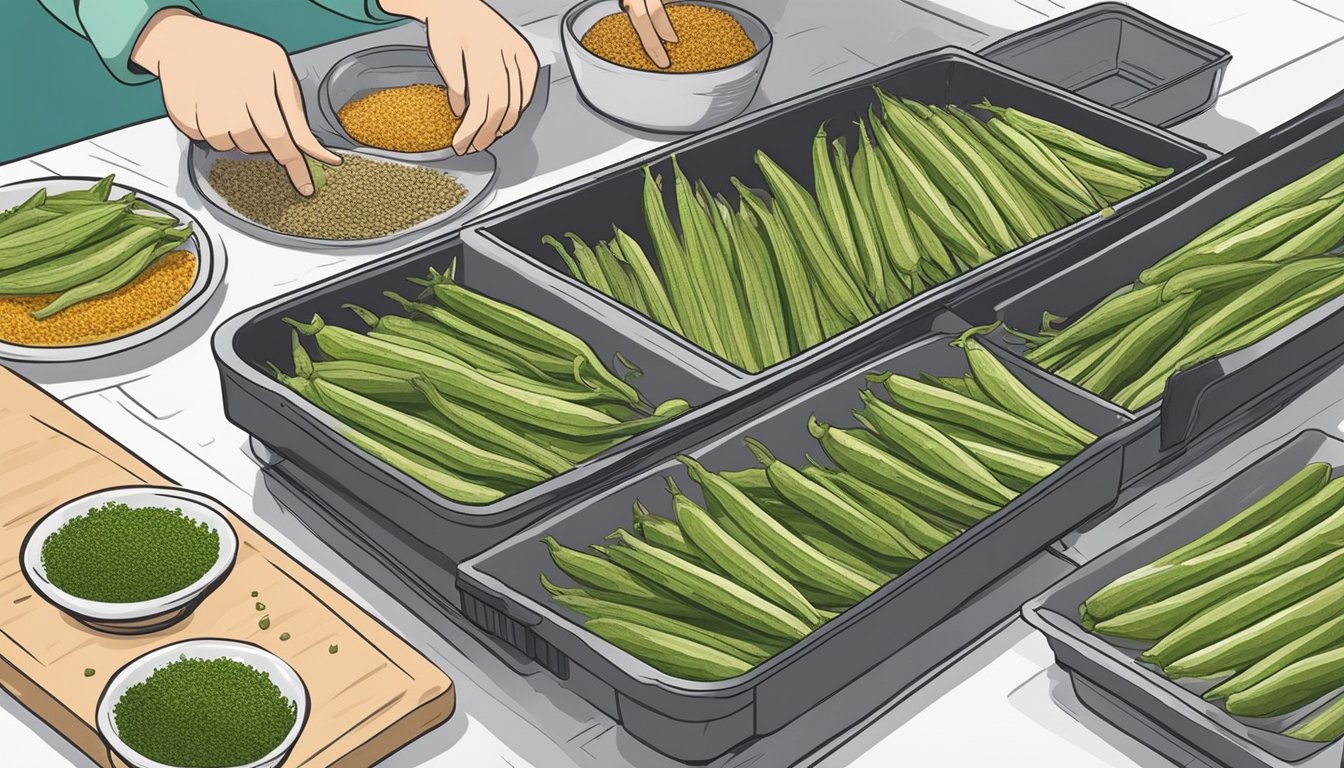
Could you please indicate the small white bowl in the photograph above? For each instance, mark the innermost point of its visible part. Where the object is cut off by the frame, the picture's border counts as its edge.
(146, 615)
(666, 102)
(139, 670)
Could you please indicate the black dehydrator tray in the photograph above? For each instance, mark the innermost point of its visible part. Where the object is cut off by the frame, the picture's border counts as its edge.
(591, 206)
(1109, 679)
(698, 721)
(1119, 56)
(1078, 273)
(295, 430)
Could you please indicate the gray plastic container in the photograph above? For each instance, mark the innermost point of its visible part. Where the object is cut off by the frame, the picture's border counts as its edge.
(591, 206)
(1079, 273)
(1109, 679)
(698, 721)
(294, 429)
(1116, 55)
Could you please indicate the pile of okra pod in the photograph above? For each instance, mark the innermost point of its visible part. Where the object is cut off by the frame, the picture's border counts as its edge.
(712, 591)
(81, 245)
(1252, 605)
(927, 194)
(1246, 277)
(473, 398)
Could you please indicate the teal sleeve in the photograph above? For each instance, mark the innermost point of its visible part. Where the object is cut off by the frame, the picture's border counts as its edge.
(113, 26)
(359, 10)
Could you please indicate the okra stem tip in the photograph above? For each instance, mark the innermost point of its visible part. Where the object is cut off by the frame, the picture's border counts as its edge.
(816, 427)
(311, 328)
(758, 449)
(967, 336)
(878, 378)
(369, 318)
(672, 487)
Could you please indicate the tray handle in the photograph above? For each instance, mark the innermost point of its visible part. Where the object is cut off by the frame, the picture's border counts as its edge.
(1202, 396)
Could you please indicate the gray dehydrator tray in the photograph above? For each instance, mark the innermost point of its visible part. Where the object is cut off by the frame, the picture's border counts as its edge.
(295, 430)
(1119, 56)
(1076, 274)
(1108, 677)
(591, 206)
(697, 721)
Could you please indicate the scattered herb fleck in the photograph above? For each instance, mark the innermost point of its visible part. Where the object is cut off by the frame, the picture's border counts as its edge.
(236, 713)
(333, 648)
(89, 672)
(284, 636)
(265, 622)
(254, 593)
(261, 606)
(122, 554)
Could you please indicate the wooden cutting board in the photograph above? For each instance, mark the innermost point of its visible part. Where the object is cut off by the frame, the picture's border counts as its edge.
(370, 698)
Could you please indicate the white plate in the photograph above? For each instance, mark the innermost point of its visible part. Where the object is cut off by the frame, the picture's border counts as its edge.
(195, 506)
(210, 264)
(476, 172)
(285, 678)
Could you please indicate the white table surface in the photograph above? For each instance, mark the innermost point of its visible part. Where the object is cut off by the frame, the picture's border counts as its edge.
(1002, 703)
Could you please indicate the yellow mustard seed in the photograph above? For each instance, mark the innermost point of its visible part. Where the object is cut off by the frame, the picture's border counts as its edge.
(149, 298)
(408, 118)
(707, 39)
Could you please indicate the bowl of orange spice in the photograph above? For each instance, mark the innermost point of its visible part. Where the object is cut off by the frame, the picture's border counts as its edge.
(391, 102)
(716, 64)
(90, 268)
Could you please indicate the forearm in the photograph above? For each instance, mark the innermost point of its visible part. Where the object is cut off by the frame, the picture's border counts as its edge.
(114, 27)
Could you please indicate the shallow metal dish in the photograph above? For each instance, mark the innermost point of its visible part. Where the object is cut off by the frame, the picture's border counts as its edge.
(476, 172)
(210, 264)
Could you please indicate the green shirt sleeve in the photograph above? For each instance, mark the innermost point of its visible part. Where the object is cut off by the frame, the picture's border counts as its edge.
(359, 10)
(113, 26)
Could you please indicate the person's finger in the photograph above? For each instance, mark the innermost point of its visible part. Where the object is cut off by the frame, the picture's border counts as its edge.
(270, 123)
(662, 24)
(218, 138)
(498, 109)
(515, 105)
(487, 100)
(290, 99)
(638, 11)
(527, 72)
(248, 140)
(184, 119)
(453, 68)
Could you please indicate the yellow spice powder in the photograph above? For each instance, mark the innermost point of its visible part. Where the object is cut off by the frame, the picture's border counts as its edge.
(150, 297)
(409, 118)
(707, 39)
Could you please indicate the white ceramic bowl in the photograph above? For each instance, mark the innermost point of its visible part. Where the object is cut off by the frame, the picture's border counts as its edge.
(146, 615)
(666, 102)
(283, 675)
(210, 265)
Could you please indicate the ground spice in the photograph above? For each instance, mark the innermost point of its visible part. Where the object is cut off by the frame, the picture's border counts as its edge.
(408, 118)
(122, 554)
(204, 713)
(708, 39)
(144, 301)
(363, 198)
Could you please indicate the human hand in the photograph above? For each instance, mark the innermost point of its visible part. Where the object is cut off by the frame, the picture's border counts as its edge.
(232, 89)
(654, 28)
(489, 67)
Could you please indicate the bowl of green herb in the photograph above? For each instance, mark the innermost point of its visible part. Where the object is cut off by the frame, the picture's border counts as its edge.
(130, 560)
(204, 704)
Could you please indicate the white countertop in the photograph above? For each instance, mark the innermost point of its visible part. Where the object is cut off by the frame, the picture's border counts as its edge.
(1002, 702)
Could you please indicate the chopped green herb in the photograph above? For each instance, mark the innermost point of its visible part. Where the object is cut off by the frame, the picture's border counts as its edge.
(333, 648)
(265, 622)
(236, 714)
(120, 554)
(284, 636)
(254, 593)
(261, 606)
(88, 672)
